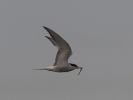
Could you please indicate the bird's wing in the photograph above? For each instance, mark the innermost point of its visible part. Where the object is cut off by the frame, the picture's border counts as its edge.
(64, 50)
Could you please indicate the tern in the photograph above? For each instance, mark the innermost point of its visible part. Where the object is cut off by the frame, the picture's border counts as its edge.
(64, 52)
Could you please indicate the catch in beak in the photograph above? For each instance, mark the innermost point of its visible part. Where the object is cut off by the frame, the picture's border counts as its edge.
(80, 70)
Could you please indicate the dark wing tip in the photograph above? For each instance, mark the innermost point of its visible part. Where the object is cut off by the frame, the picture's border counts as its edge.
(48, 30)
(45, 27)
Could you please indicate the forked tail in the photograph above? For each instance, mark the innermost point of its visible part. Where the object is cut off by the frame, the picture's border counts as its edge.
(41, 69)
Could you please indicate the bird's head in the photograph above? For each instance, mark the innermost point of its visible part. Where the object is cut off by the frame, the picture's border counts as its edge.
(76, 67)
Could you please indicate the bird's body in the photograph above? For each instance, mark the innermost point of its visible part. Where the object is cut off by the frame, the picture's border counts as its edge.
(66, 68)
(64, 52)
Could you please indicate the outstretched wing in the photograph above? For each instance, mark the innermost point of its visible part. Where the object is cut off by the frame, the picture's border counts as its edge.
(64, 50)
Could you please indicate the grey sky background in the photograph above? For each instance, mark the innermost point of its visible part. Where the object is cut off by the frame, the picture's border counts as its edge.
(100, 33)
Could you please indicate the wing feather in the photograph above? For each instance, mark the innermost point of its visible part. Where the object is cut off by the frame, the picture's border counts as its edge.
(64, 49)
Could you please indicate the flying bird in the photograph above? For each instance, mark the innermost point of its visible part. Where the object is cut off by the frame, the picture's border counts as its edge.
(64, 52)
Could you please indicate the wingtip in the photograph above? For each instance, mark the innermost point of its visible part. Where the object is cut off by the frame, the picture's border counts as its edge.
(45, 27)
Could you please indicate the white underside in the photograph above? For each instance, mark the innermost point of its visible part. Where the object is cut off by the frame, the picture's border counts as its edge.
(50, 67)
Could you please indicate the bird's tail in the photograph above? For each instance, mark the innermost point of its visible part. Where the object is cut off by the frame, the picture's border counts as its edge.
(49, 68)
(41, 69)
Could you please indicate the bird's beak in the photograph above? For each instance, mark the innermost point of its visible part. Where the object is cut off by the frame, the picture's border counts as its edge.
(80, 70)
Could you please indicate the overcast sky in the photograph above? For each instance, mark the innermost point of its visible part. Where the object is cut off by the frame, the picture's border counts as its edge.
(100, 33)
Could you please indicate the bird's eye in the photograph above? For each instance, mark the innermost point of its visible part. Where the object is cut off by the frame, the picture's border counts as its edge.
(74, 65)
